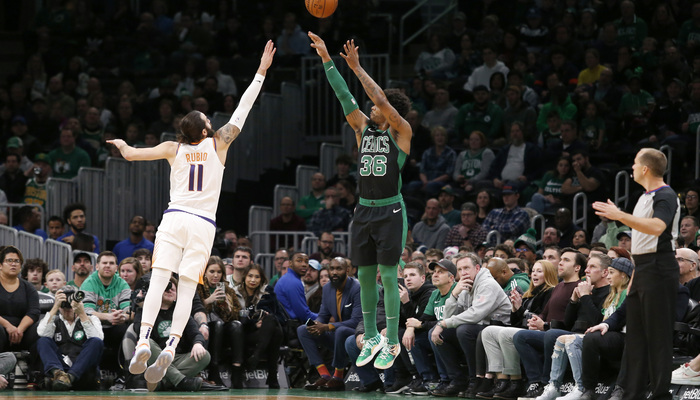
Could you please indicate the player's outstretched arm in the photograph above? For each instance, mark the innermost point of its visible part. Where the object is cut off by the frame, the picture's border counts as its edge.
(356, 118)
(165, 150)
(229, 132)
(376, 94)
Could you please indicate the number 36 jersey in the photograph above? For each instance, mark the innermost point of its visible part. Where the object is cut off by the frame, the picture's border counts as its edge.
(379, 165)
(195, 179)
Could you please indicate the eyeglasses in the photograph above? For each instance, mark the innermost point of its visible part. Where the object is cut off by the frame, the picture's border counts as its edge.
(326, 241)
(521, 250)
(691, 196)
(13, 261)
(679, 259)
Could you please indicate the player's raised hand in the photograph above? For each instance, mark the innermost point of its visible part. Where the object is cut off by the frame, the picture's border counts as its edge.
(320, 46)
(118, 143)
(351, 56)
(268, 55)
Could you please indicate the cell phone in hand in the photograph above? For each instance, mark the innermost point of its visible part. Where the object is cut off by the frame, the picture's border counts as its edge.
(310, 322)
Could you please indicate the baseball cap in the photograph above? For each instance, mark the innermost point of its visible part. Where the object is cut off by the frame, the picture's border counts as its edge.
(42, 157)
(623, 265)
(451, 251)
(483, 88)
(77, 256)
(14, 142)
(509, 189)
(445, 264)
(19, 119)
(315, 264)
(448, 189)
(624, 233)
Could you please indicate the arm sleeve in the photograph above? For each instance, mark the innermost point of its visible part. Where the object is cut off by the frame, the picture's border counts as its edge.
(247, 100)
(340, 88)
(458, 166)
(93, 328)
(33, 309)
(486, 161)
(301, 309)
(46, 327)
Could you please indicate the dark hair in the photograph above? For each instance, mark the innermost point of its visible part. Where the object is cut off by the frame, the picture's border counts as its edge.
(349, 186)
(343, 159)
(506, 249)
(9, 250)
(142, 252)
(70, 208)
(579, 259)
(56, 218)
(83, 242)
(492, 200)
(13, 155)
(242, 285)
(244, 249)
(398, 100)
(24, 213)
(191, 127)
(34, 263)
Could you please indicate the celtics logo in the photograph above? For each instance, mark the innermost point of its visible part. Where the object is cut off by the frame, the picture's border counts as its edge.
(78, 336)
(164, 328)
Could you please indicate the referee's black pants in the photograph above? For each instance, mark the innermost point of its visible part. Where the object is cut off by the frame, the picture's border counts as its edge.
(651, 311)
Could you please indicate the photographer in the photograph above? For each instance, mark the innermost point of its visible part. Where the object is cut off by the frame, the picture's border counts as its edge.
(261, 316)
(70, 344)
(223, 310)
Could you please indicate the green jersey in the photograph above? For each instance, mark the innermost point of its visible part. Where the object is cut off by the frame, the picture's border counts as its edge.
(436, 303)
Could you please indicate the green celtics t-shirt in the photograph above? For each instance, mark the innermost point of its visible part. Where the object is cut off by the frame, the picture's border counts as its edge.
(436, 303)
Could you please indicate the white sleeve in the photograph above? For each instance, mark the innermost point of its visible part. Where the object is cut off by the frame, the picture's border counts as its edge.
(247, 100)
(46, 327)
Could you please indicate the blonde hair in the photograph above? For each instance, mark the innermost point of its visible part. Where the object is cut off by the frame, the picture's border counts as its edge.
(616, 292)
(54, 272)
(551, 278)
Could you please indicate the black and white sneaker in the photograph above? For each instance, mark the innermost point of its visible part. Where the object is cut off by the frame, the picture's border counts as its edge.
(534, 390)
(398, 387)
(417, 388)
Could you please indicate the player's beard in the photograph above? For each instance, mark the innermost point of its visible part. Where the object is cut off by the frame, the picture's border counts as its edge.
(210, 132)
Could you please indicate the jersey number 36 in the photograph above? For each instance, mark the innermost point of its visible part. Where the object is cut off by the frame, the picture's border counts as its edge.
(373, 165)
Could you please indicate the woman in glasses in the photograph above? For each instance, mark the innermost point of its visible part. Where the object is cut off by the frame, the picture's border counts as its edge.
(19, 304)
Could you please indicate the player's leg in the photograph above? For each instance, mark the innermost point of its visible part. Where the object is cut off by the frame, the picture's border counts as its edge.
(391, 239)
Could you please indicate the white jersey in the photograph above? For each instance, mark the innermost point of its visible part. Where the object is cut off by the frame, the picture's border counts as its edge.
(195, 179)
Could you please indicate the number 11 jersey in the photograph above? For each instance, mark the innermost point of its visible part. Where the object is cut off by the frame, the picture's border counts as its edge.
(379, 164)
(195, 179)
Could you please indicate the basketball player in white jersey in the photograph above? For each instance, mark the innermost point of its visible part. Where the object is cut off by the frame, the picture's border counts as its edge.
(186, 232)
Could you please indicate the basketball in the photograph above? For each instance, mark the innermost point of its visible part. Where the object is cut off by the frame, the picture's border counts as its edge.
(321, 8)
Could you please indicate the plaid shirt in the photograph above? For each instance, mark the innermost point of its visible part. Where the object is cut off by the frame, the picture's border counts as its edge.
(510, 223)
(475, 236)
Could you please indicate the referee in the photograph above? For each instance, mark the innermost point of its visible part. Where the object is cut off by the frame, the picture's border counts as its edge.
(652, 294)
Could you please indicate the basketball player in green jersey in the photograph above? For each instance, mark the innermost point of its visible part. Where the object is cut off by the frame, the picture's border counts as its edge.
(379, 226)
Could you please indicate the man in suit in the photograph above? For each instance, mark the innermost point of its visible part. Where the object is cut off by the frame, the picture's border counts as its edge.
(341, 302)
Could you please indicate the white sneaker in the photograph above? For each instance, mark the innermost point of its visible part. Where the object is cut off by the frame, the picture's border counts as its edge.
(572, 395)
(550, 393)
(142, 353)
(684, 375)
(156, 371)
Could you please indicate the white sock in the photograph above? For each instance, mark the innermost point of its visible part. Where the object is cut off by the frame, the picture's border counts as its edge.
(186, 289)
(145, 333)
(154, 298)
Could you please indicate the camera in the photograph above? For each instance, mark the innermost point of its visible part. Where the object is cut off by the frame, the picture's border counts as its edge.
(71, 296)
(37, 171)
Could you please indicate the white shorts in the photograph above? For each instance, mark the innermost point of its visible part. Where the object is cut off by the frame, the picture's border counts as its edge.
(183, 244)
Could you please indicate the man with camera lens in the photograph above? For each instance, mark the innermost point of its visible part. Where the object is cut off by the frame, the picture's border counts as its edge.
(70, 344)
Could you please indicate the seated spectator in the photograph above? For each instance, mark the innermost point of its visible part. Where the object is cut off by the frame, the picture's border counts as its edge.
(473, 164)
(281, 255)
(482, 115)
(438, 62)
(510, 221)
(346, 194)
(432, 229)
(503, 358)
(566, 144)
(70, 344)
(505, 277)
(108, 297)
(447, 210)
(579, 238)
(263, 315)
(477, 299)
(68, 158)
(624, 240)
(631, 28)
(691, 201)
(534, 32)
(145, 258)
(313, 201)
(443, 112)
(286, 221)
(635, 108)
(591, 73)
(565, 224)
(29, 219)
(688, 264)
(325, 244)
(56, 227)
(518, 163)
(526, 249)
(332, 217)
(688, 230)
(225, 330)
(310, 280)
(74, 215)
(617, 251)
(340, 313)
(191, 357)
(549, 196)
(34, 271)
(468, 232)
(7, 366)
(290, 290)
(415, 296)
(486, 202)
(19, 304)
(559, 102)
(482, 75)
(518, 110)
(55, 279)
(242, 259)
(437, 165)
(130, 271)
(342, 170)
(13, 181)
(82, 268)
(135, 241)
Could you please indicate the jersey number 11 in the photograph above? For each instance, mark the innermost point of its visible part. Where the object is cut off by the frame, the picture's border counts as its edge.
(196, 175)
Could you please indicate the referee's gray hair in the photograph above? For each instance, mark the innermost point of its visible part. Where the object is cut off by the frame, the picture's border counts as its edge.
(472, 256)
